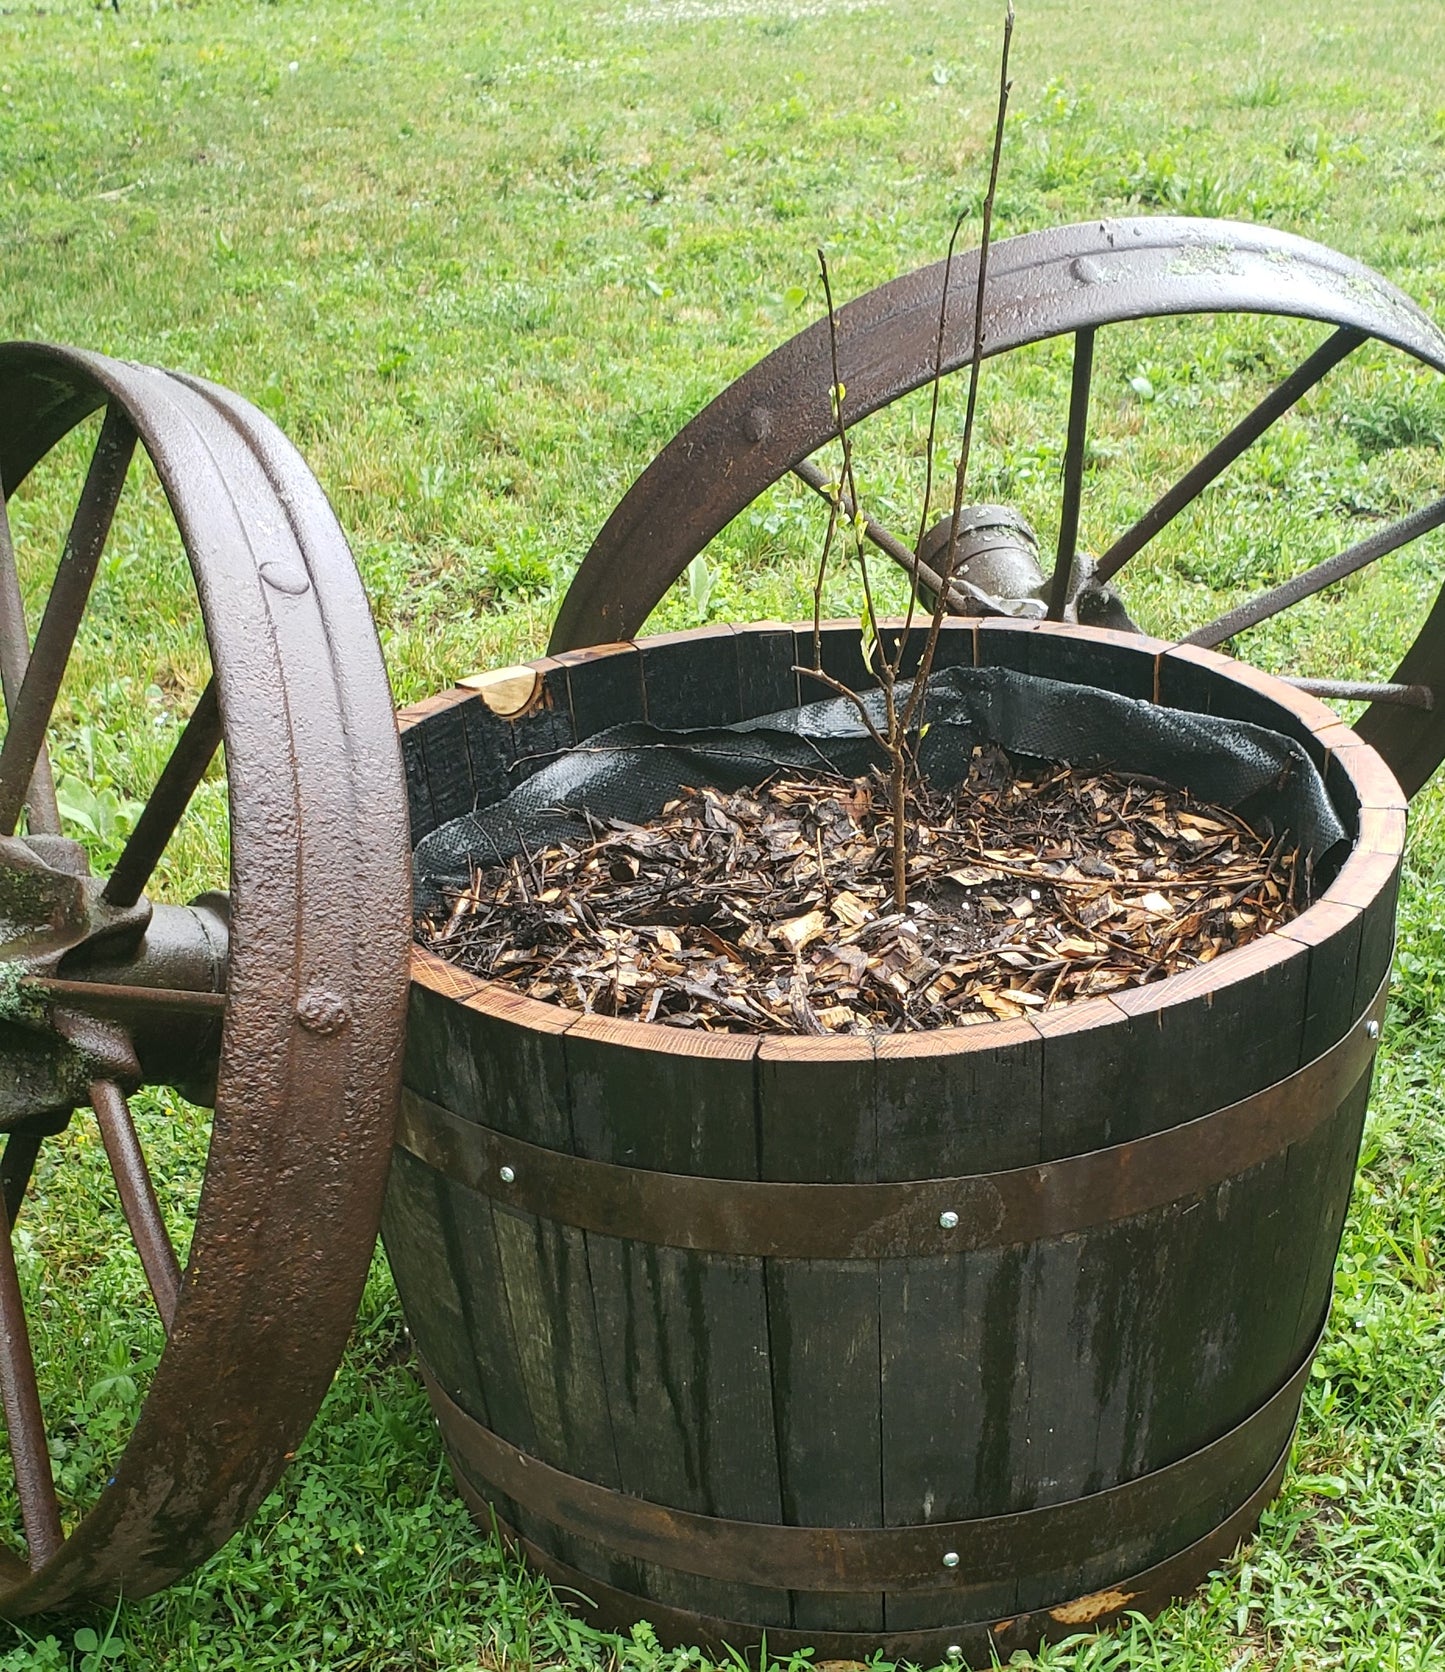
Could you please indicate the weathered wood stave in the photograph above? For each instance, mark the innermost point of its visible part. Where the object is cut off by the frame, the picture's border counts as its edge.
(892, 1392)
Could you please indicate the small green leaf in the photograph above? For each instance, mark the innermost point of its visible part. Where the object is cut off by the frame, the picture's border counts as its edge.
(72, 810)
(700, 581)
(86, 1640)
(868, 639)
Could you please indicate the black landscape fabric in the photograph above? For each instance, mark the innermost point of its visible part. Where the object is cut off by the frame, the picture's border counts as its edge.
(632, 771)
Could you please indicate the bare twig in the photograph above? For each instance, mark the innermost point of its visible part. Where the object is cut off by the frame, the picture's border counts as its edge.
(963, 598)
(838, 688)
(874, 652)
(942, 589)
(896, 734)
(960, 475)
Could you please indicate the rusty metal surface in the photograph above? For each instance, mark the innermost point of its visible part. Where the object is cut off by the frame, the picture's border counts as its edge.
(1041, 285)
(979, 1643)
(311, 1032)
(759, 1219)
(897, 1558)
(29, 711)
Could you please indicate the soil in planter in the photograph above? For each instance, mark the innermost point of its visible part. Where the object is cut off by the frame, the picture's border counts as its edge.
(769, 910)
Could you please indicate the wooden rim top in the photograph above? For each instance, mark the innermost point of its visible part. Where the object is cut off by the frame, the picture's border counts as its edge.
(1378, 846)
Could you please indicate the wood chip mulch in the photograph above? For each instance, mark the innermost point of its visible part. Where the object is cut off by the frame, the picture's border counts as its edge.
(770, 910)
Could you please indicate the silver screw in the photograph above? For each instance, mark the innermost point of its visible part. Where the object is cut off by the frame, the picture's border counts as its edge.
(508, 1175)
(1372, 1029)
(948, 1219)
(950, 1558)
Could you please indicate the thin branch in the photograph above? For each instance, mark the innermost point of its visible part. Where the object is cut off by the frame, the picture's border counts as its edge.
(875, 653)
(844, 498)
(923, 515)
(963, 598)
(840, 689)
(849, 487)
(820, 577)
(960, 477)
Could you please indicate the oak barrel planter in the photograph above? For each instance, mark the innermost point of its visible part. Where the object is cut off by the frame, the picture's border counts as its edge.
(941, 1343)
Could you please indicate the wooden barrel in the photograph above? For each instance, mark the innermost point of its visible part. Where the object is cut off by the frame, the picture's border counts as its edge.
(941, 1343)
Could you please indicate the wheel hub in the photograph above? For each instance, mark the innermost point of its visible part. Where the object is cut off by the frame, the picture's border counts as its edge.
(50, 906)
(997, 556)
(68, 956)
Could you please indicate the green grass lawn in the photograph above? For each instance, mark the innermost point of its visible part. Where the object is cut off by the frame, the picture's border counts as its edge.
(481, 262)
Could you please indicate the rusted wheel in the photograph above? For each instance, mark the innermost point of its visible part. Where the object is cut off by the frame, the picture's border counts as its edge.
(293, 1030)
(1073, 280)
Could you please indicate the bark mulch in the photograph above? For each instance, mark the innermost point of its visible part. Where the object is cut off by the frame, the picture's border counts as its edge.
(771, 911)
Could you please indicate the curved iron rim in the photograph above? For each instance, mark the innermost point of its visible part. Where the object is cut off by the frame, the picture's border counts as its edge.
(320, 876)
(1041, 285)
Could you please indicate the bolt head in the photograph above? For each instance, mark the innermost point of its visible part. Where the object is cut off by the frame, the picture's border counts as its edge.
(508, 1175)
(950, 1558)
(1372, 1029)
(948, 1219)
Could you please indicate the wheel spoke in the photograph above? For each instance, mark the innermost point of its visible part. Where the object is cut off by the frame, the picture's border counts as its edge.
(106, 998)
(137, 1196)
(29, 1453)
(963, 599)
(1193, 483)
(1360, 690)
(1073, 471)
(14, 656)
(169, 800)
(18, 1163)
(1322, 575)
(31, 710)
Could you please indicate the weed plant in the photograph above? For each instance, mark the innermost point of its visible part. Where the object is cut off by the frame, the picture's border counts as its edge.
(481, 262)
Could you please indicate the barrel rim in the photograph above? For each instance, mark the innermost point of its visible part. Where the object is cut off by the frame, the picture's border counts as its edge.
(1374, 857)
(915, 1218)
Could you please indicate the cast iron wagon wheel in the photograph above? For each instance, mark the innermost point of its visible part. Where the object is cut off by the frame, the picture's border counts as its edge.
(1070, 280)
(298, 1031)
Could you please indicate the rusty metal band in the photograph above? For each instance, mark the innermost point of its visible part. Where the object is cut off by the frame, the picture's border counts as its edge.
(896, 1559)
(759, 1218)
(983, 1643)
